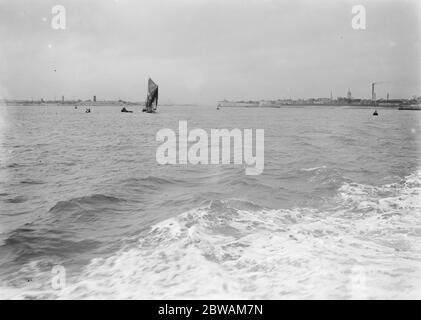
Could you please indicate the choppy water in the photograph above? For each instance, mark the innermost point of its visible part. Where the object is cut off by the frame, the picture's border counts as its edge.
(335, 214)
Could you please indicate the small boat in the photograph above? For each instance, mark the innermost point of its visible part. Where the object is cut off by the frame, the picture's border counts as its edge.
(88, 110)
(125, 110)
(152, 97)
(375, 113)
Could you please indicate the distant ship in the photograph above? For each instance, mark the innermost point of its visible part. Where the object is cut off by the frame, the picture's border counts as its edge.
(152, 97)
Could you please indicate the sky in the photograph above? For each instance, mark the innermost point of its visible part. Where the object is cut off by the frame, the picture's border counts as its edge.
(202, 51)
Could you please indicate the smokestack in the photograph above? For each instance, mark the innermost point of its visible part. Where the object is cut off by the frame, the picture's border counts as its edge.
(373, 94)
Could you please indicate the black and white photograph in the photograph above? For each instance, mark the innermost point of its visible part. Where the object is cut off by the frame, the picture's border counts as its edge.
(242, 150)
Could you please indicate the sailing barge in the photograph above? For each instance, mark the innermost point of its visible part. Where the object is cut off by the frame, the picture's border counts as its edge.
(152, 97)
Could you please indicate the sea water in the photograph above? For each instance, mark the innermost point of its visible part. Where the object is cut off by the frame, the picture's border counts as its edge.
(336, 212)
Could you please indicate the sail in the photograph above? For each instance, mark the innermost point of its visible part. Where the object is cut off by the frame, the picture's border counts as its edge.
(152, 98)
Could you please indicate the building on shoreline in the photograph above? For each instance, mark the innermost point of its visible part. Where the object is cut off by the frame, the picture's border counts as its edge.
(340, 101)
(90, 103)
(349, 100)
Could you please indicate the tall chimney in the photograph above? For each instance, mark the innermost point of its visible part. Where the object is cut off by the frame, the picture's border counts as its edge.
(373, 94)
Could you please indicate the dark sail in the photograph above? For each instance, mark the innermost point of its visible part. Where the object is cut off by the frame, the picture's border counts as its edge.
(152, 98)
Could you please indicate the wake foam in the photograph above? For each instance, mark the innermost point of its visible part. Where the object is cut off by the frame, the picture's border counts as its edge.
(402, 198)
(366, 246)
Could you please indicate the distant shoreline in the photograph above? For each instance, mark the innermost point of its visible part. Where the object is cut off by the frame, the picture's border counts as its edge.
(69, 103)
(320, 102)
(22, 103)
(403, 104)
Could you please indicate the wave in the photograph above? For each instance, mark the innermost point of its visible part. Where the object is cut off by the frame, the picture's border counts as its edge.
(14, 165)
(365, 246)
(158, 180)
(151, 184)
(313, 169)
(401, 198)
(30, 181)
(69, 228)
(17, 199)
(92, 200)
(322, 178)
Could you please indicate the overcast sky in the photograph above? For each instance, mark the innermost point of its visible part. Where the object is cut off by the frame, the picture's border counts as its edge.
(200, 51)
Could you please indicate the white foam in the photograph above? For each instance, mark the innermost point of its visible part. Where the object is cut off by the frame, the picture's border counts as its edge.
(313, 169)
(399, 198)
(367, 247)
